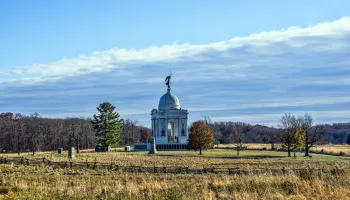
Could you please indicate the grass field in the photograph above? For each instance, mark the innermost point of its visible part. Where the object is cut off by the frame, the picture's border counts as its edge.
(327, 149)
(43, 182)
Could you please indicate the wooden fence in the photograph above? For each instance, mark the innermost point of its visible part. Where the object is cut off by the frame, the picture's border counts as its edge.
(171, 170)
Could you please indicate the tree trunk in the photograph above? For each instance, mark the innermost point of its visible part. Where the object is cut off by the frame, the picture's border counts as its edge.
(307, 150)
(200, 151)
(237, 149)
(306, 144)
(18, 145)
(77, 145)
(288, 151)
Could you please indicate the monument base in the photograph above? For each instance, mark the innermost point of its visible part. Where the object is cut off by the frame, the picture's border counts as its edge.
(171, 147)
(142, 147)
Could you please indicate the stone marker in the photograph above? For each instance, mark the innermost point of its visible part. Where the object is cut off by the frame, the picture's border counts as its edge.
(153, 147)
(240, 146)
(127, 148)
(217, 142)
(60, 151)
(71, 152)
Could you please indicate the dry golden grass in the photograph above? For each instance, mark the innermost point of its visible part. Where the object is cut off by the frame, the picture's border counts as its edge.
(39, 182)
(25, 182)
(218, 158)
(332, 149)
(251, 146)
(328, 149)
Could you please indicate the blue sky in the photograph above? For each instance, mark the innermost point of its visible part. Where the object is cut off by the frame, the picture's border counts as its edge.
(246, 61)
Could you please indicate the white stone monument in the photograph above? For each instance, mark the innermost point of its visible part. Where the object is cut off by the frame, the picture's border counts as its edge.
(153, 147)
(169, 122)
(71, 152)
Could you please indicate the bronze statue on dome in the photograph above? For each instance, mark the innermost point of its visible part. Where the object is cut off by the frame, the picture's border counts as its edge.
(167, 79)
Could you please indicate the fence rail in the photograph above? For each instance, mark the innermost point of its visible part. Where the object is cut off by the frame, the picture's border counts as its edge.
(171, 170)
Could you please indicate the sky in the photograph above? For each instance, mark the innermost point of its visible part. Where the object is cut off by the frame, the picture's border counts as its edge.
(249, 61)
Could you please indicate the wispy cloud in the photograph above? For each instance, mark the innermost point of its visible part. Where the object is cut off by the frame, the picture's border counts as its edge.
(295, 67)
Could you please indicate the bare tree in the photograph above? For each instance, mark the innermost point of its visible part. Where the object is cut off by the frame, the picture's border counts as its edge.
(34, 125)
(207, 120)
(293, 135)
(19, 130)
(130, 132)
(312, 133)
(73, 131)
(239, 131)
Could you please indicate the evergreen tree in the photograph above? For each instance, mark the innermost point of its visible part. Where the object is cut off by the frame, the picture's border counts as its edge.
(348, 139)
(107, 124)
(200, 136)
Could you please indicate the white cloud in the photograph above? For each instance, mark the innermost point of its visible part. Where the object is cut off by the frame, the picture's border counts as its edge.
(117, 58)
(295, 69)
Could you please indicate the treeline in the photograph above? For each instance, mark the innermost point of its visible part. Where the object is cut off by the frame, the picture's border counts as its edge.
(31, 133)
(21, 133)
(336, 133)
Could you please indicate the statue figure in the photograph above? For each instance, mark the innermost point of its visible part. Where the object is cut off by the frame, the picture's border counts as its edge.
(167, 79)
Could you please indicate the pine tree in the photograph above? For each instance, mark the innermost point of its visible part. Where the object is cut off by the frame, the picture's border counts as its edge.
(200, 136)
(107, 124)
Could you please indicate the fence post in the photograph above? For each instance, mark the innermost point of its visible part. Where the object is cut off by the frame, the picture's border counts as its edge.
(44, 161)
(140, 169)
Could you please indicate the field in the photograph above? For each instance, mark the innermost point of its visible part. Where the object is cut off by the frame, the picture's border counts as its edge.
(257, 175)
(327, 149)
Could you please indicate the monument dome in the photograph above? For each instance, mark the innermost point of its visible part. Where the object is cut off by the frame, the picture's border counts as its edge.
(168, 101)
(169, 122)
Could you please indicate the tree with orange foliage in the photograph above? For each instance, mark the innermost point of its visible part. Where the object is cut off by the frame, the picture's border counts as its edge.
(200, 136)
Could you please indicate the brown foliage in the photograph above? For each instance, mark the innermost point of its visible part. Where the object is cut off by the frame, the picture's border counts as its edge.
(200, 136)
